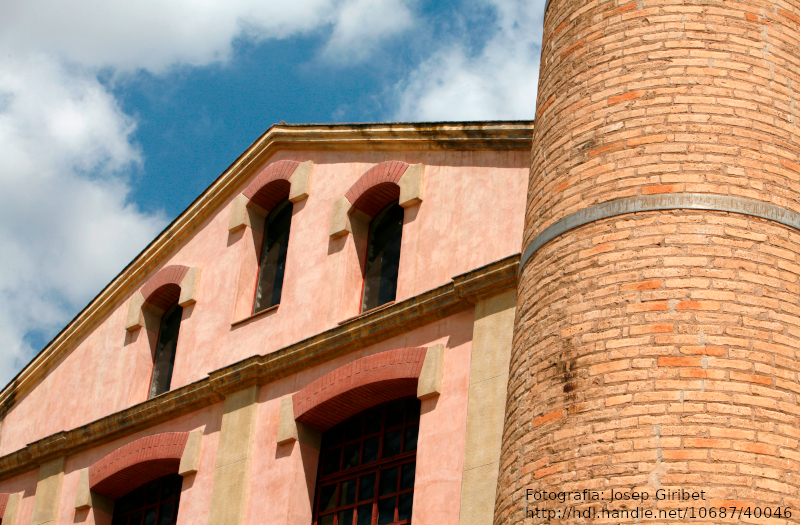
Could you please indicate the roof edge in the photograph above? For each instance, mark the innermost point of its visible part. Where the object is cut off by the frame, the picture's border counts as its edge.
(462, 292)
(469, 135)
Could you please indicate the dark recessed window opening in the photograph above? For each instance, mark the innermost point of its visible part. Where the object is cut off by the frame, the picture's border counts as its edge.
(273, 257)
(165, 350)
(367, 467)
(383, 257)
(154, 503)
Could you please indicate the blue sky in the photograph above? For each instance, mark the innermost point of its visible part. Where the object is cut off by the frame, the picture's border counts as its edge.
(115, 116)
(194, 121)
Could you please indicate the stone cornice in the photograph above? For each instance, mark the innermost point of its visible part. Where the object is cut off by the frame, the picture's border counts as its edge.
(458, 295)
(505, 135)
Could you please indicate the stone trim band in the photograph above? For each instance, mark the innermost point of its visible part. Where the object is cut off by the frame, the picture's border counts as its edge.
(458, 295)
(662, 202)
(439, 136)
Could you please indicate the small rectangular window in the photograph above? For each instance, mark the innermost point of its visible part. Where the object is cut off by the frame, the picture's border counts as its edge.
(272, 263)
(383, 257)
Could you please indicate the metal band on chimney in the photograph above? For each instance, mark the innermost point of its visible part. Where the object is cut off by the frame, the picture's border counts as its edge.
(663, 202)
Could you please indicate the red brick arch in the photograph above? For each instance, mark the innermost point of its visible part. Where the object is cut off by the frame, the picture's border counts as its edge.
(164, 288)
(377, 187)
(136, 463)
(271, 185)
(359, 385)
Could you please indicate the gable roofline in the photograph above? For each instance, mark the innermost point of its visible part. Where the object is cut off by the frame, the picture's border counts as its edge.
(472, 135)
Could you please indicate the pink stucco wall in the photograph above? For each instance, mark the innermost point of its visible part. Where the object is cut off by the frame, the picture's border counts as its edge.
(282, 477)
(279, 491)
(471, 215)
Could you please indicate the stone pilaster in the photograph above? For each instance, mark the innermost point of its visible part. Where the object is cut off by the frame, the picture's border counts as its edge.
(231, 475)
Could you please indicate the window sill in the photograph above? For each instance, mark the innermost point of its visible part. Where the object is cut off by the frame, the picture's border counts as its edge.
(254, 316)
(368, 312)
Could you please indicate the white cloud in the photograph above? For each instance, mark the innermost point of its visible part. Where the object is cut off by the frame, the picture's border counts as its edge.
(66, 224)
(362, 24)
(155, 34)
(500, 82)
(64, 230)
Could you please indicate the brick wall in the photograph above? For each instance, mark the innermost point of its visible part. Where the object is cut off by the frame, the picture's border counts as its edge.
(655, 96)
(658, 349)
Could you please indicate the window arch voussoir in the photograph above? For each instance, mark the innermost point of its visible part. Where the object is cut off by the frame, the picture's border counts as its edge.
(171, 283)
(367, 382)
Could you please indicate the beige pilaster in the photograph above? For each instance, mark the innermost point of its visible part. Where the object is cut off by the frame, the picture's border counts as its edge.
(301, 181)
(189, 287)
(430, 377)
(290, 430)
(190, 460)
(133, 319)
(229, 493)
(411, 185)
(86, 498)
(488, 381)
(245, 213)
(12, 509)
(48, 492)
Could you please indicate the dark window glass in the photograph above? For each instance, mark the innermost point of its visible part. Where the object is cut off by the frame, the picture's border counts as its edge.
(346, 517)
(391, 443)
(365, 514)
(155, 503)
(348, 489)
(332, 460)
(366, 489)
(407, 478)
(378, 489)
(395, 413)
(327, 499)
(371, 449)
(351, 455)
(273, 257)
(389, 481)
(410, 442)
(383, 257)
(165, 350)
(386, 511)
(413, 412)
(404, 508)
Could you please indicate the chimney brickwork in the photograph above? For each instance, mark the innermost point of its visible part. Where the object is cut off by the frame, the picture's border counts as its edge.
(660, 349)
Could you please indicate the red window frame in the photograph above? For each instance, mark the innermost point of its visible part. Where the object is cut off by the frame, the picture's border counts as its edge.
(155, 355)
(135, 506)
(261, 254)
(370, 226)
(348, 489)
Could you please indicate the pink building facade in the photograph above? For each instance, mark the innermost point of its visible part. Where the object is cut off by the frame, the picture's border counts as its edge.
(253, 399)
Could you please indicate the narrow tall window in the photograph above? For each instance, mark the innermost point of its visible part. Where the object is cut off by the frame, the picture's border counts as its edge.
(367, 467)
(154, 503)
(273, 257)
(383, 257)
(165, 350)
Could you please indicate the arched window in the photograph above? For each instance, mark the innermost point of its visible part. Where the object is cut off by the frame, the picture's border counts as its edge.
(154, 503)
(164, 358)
(383, 257)
(367, 467)
(272, 262)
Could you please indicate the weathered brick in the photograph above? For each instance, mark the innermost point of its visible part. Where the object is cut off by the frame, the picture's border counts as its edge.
(693, 317)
